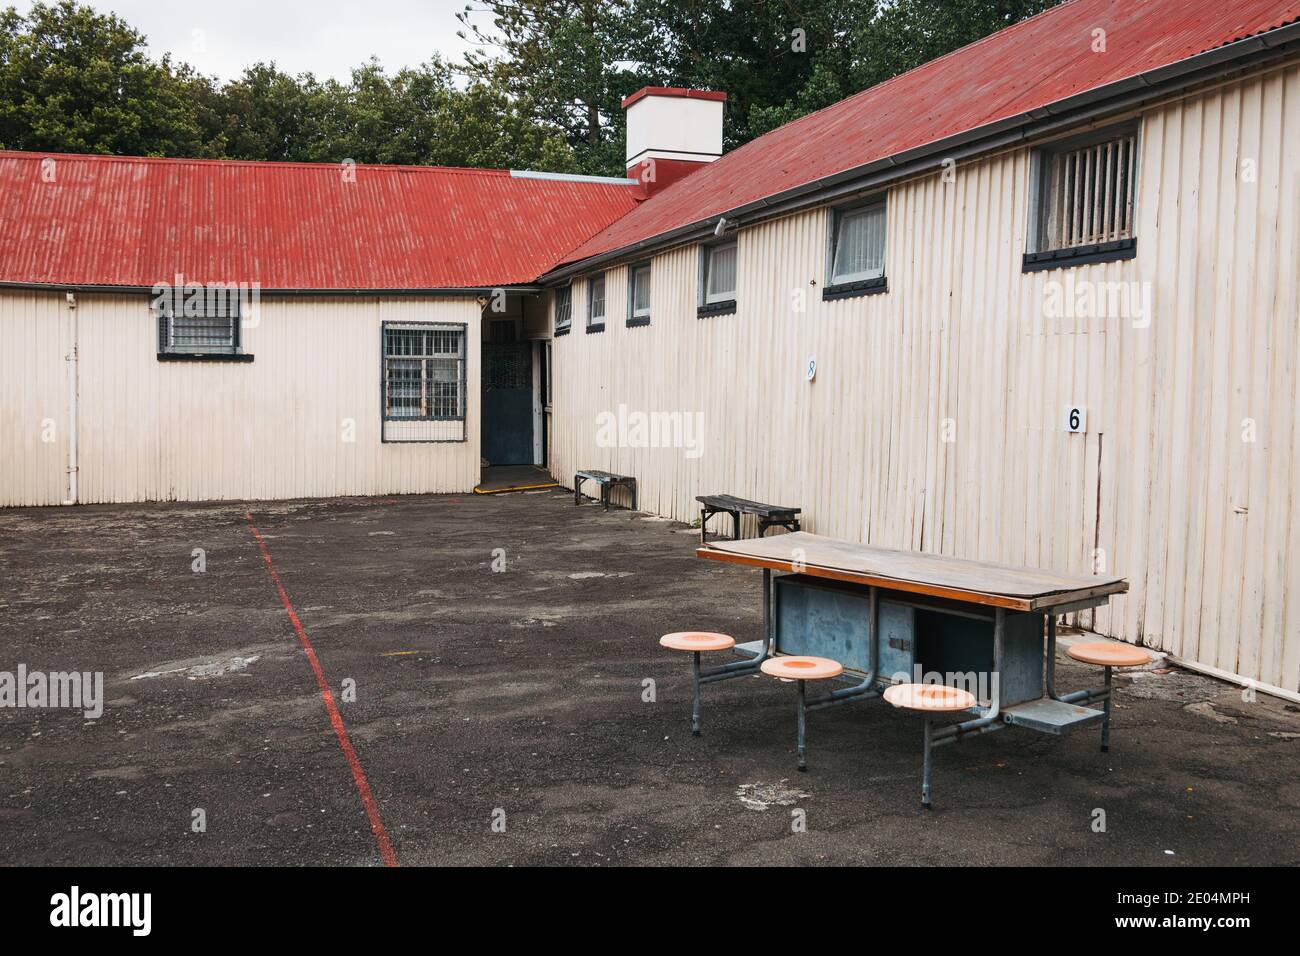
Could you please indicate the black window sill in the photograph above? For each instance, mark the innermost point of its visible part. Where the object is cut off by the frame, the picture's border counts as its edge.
(596, 328)
(562, 330)
(716, 308)
(847, 290)
(637, 321)
(1114, 251)
(205, 357)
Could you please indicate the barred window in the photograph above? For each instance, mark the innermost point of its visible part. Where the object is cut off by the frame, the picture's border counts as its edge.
(202, 322)
(1087, 192)
(423, 382)
(563, 308)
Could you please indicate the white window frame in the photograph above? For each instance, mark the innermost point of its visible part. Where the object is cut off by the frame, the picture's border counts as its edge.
(565, 323)
(707, 253)
(637, 316)
(595, 320)
(836, 220)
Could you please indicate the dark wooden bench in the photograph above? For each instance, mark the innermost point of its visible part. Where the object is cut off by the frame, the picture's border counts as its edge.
(769, 516)
(606, 480)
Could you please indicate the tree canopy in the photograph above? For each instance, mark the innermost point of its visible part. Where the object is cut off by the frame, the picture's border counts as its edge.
(539, 88)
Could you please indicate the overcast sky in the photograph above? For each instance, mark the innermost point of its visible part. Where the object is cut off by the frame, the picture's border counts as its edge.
(326, 37)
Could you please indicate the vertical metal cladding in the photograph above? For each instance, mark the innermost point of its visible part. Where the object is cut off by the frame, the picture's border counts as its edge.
(935, 418)
(301, 420)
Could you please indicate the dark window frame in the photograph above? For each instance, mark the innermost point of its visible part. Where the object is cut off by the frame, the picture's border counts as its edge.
(461, 329)
(1038, 256)
(565, 327)
(597, 323)
(165, 320)
(634, 320)
(870, 285)
(703, 307)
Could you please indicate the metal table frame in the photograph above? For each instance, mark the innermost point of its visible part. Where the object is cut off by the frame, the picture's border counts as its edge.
(984, 719)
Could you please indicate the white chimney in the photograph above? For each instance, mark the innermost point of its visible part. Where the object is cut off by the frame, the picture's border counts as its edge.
(671, 132)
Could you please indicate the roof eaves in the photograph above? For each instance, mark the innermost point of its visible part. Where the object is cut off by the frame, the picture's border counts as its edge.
(1217, 59)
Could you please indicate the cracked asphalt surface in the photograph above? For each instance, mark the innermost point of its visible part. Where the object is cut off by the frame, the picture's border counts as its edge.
(518, 694)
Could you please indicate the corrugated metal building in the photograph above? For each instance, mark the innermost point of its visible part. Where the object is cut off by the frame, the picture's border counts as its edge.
(1048, 283)
(938, 417)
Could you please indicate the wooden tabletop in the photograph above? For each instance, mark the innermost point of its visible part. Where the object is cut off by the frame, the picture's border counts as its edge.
(961, 579)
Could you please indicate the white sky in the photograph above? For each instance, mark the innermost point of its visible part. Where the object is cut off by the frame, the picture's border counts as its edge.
(326, 37)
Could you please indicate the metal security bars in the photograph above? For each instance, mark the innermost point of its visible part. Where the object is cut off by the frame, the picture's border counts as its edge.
(423, 387)
(205, 323)
(1087, 193)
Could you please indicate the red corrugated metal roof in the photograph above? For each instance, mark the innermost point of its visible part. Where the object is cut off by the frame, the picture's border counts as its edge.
(133, 222)
(1032, 64)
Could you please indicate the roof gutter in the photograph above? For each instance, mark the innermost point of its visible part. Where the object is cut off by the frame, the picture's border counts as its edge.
(279, 293)
(1095, 103)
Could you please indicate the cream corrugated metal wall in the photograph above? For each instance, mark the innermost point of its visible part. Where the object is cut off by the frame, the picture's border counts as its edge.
(1162, 484)
(193, 431)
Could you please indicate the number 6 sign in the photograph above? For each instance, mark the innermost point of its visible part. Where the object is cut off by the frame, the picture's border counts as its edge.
(1076, 419)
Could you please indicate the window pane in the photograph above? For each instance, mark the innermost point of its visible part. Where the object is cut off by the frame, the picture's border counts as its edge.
(424, 372)
(1086, 196)
(563, 306)
(596, 300)
(641, 290)
(205, 322)
(403, 388)
(721, 280)
(860, 245)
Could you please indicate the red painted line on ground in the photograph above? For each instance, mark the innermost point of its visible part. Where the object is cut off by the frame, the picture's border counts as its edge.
(336, 719)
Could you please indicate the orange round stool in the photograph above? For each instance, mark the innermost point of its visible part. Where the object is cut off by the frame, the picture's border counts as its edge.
(1107, 655)
(928, 699)
(696, 642)
(801, 670)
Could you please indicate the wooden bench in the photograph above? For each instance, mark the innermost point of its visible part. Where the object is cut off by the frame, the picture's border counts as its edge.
(606, 480)
(769, 516)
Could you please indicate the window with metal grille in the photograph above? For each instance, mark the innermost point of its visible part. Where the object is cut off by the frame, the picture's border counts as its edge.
(638, 294)
(563, 308)
(204, 322)
(857, 253)
(1087, 194)
(596, 301)
(423, 382)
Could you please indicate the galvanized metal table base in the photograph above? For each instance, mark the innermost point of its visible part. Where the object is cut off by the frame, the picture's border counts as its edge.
(925, 612)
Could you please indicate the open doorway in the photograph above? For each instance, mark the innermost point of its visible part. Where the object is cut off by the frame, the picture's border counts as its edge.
(514, 382)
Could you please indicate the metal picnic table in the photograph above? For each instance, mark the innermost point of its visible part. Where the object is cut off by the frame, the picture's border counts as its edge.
(892, 616)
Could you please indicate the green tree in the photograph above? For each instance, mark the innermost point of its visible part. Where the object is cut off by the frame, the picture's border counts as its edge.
(565, 59)
(73, 80)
